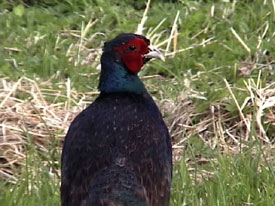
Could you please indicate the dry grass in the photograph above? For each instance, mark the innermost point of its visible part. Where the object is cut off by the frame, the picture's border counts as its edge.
(34, 118)
(219, 128)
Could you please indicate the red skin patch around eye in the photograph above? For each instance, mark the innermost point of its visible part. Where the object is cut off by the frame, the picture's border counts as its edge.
(133, 59)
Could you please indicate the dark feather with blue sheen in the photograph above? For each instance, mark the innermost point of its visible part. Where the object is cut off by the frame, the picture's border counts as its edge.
(117, 151)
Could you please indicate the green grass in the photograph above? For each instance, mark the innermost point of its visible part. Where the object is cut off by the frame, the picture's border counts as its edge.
(35, 38)
(38, 182)
(226, 179)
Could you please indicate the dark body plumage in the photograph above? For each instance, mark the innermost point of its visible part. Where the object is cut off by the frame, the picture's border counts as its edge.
(117, 152)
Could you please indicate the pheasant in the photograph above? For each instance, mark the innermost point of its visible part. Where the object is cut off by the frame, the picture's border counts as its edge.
(117, 151)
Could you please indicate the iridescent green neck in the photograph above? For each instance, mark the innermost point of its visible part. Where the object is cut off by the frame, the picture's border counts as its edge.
(115, 78)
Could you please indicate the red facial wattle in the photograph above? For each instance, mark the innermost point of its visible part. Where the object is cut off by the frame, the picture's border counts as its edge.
(132, 53)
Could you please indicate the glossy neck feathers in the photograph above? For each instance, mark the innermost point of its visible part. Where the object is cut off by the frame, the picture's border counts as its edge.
(114, 77)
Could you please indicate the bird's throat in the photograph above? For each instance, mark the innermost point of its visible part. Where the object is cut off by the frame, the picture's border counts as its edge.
(115, 78)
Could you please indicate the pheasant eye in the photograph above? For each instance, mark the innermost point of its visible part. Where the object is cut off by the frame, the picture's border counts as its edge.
(132, 47)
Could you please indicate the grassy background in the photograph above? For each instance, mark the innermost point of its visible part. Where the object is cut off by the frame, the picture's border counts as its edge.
(205, 69)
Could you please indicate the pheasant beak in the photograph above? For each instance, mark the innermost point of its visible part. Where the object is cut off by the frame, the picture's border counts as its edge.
(154, 53)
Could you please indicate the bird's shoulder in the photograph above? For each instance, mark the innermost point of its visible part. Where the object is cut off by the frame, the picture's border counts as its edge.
(121, 119)
(108, 107)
